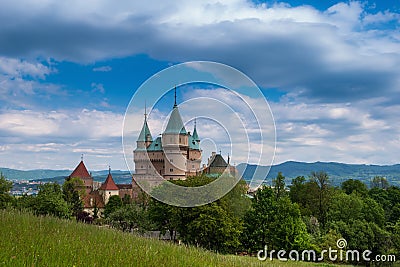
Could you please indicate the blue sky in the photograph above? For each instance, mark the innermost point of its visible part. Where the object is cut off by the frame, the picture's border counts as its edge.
(330, 71)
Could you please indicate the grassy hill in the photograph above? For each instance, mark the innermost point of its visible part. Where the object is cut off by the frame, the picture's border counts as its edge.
(28, 240)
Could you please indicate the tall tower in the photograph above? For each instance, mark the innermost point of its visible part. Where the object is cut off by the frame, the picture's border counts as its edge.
(175, 144)
(193, 153)
(140, 153)
(174, 155)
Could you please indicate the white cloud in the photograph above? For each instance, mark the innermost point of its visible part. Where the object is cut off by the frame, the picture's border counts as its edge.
(102, 69)
(83, 124)
(56, 139)
(340, 68)
(15, 68)
(98, 87)
(338, 55)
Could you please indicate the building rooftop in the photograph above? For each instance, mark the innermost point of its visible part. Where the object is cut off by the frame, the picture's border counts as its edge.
(175, 123)
(80, 171)
(109, 184)
(156, 145)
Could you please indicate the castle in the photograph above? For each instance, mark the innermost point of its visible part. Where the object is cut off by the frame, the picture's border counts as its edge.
(97, 194)
(174, 155)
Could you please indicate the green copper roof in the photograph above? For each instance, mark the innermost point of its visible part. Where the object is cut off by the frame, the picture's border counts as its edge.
(193, 144)
(156, 145)
(175, 123)
(195, 135)
(145, 134)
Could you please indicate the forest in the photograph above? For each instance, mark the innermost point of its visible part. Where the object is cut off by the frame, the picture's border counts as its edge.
(307, 213)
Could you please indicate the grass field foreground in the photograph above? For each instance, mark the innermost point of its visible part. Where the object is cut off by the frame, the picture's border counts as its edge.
(27, 240)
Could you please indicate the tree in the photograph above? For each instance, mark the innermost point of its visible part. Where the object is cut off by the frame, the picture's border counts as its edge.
(164, 217)
(50, 201)
(363, 235)
(389, 199)
(114, 203)
(74, 193)
(279, 185)
(300, 193)
(321, 181)
(379, 182)
(5, 187)
(216, 226)
(130, 217)
(274, 222)
(350, 186)
(214, 229)
(352, 207)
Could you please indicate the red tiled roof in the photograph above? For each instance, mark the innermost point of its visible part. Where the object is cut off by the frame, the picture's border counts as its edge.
(109, 184)
(124, 186)
(80, 171)
(93, 199)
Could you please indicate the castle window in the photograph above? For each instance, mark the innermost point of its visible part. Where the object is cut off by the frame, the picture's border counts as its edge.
(171, 170)
(192, 166)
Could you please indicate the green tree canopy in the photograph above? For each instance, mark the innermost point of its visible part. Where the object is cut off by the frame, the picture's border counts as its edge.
(350, 186)
(74, 193)
(50, 201)
(274, 222)
(5, 187)
(113, 204)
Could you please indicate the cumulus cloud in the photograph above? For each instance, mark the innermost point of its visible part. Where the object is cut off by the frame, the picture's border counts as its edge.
(338, 68)
(60, 137)
(102, 69)
(325, 55)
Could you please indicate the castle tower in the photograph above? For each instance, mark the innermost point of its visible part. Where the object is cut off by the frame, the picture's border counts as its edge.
(174, 155)
(82, 173)
(175, 143)
(194, 153)
(108, 188)
(140, 154)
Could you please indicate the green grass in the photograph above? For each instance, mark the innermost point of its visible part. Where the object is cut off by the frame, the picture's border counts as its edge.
(27, 240)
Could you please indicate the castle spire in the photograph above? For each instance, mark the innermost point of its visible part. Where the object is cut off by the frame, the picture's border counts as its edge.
(175, 124)
(175, 98)
(145, 111)
(195, 135)
(145, 135)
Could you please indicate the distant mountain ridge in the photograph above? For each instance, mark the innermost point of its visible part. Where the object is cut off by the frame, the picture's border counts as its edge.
(16, 175)
(338, 172)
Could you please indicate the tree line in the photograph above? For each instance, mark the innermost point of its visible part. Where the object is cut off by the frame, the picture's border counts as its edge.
(309, 213)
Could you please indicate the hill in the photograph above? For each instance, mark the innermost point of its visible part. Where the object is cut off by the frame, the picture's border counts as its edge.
(28, 240)
(46, 175)
(40, 174)
(338, 172)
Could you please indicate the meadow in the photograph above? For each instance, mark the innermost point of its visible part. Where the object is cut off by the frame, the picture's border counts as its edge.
(28, 240)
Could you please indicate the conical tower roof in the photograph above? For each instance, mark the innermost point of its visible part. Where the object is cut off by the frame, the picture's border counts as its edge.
(145, 134)
(109, 183)
(175, 123)
(80, 171)
(195, 135)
